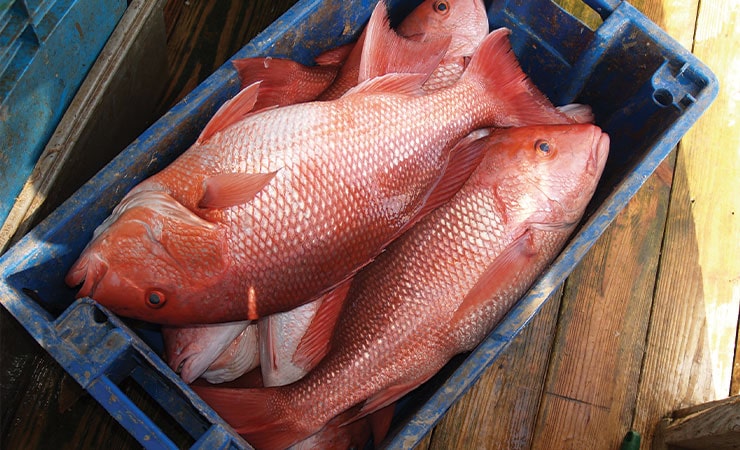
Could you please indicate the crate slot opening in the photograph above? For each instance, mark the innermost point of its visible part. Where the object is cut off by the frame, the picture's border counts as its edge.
(663, 97)
(162, 418)
(581, 11)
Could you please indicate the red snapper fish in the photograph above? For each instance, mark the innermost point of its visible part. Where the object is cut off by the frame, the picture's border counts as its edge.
(286, 82)
(268, 211)
(440, 288)
(291, 343)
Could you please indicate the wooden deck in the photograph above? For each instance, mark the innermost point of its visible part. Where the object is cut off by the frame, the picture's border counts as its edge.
(647, 323)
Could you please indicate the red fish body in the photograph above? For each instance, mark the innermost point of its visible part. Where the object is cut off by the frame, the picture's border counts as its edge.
(268, 211)
(440, 288)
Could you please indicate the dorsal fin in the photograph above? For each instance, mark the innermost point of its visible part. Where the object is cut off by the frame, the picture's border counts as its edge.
(396, 83)
(385, 51)
(231, 112)
(231, 189)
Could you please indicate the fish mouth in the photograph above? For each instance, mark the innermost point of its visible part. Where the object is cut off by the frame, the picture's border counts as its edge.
(184, 362)
(600, 152)
(88, 271)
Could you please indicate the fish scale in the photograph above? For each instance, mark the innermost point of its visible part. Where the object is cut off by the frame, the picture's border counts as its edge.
(403, 161)
(466, 21)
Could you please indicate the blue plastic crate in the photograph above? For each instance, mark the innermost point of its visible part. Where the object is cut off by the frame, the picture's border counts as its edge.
(645, 89)
(46, 49)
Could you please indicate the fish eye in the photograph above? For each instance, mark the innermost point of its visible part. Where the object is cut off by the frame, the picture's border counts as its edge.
(442, 7)
(543, 147)
(156, 299)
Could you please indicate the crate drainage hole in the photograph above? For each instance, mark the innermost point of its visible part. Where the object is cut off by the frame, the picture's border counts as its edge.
(99, 316)
(32, 294)
(663, 97)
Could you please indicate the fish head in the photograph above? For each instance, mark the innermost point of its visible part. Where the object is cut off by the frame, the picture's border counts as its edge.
(194, 350)
(465, 21)
(240, 357)
(153, 260)
(546, 174)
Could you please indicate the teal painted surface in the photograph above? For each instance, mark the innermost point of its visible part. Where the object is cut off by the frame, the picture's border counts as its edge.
(46, 49)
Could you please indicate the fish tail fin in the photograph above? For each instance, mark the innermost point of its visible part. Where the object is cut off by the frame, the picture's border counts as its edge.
(262, 416)
(284, 82)
(495, 69)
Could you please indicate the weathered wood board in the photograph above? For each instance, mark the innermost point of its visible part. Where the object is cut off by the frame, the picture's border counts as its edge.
(501, 408)
(593, 376)
(693, 329)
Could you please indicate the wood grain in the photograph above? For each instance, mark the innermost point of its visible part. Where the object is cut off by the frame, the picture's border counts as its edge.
(591, 384)
(711, 426)
(711, 154)
(204, 34)
(693, 329)
(499, 411)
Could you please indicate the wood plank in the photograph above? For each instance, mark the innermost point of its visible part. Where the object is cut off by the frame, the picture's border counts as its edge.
(592, 381)
(735, 383)
(693, 329)
(424, 443)
(204, 34)
(499, 411)
(712, 179)
(715, 425)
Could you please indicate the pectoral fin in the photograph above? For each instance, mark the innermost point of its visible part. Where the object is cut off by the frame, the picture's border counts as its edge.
(231, 189)
(500, 274)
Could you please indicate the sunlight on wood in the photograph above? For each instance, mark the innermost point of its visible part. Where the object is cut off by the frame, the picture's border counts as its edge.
(582, 12)
(712, 167)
